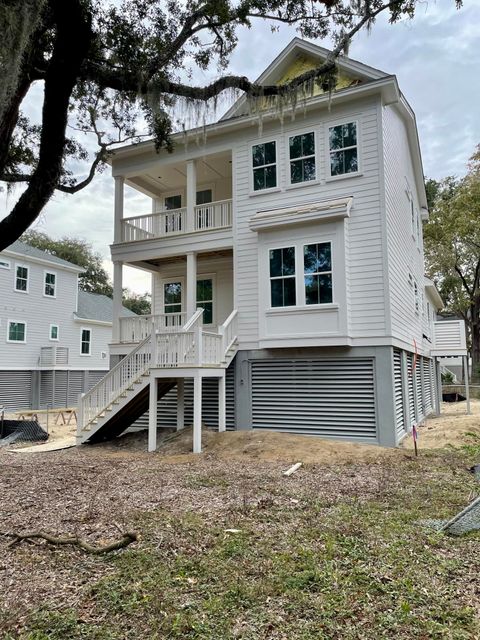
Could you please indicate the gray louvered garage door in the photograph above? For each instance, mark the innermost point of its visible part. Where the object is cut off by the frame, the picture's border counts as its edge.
(75, 387)
(411, 400)
(15, 390)
(427, 385)
(398, 387)
(327, 397)
(418, 391)
(46, 389)
(93, 377)
(433, 372)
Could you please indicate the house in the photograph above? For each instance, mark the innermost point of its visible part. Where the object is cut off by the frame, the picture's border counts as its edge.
(286, 253)
(55, 337)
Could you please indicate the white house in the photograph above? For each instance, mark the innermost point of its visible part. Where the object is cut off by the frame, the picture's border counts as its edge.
(54, 338)
(298, 230)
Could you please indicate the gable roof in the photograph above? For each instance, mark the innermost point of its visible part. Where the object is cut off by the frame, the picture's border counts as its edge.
(22, 249)
(95, 306)
(277, 70)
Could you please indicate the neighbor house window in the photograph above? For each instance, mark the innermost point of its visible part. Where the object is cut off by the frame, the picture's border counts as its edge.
(17, 331)
(302, 158)
(86, 342)
(21, 278)
(172, 293)
(282, 277)
(205, 299)
(264, 161)
(54, 332)
(317, 267)
(343, 149)
(50, 284)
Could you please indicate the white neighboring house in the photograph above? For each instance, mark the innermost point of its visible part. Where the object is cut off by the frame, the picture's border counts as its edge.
(54, 339)
(299, 233)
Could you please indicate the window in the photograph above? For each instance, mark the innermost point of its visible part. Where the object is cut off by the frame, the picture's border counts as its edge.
(302, 158)
(282, 277)
(343, 149)
(317, 267)
(204, 196)
(205, 299)
(173, 202)
(85, 342)
(412, 214)
(415, 297)
(54, 332)
(17, 331)
(172, 293)
(264, 160)
(50, 284)
(21, 278)
(4, 264)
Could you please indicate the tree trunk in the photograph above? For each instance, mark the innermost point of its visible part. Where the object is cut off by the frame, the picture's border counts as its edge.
(72, 42)
(475, 336)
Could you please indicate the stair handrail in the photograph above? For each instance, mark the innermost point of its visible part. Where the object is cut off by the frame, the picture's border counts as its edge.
(228, 331)
(193, 321)
(87, 418)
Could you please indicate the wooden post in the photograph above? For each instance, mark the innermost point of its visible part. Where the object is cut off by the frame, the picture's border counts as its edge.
(191, 194)
(152, 414)
(222, 419)
(117, 299)
(197, 413)
(118, 209)
(180, 403)
(467, 387)
(191, 284)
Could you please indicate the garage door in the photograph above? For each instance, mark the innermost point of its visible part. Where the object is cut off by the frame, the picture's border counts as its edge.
(327, 397)
(15, 390)
(399, 412)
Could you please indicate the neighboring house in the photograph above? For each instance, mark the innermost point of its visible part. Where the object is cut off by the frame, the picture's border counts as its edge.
(298, 231)
(55, 338)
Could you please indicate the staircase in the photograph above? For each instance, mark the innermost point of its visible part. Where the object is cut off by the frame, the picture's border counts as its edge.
(122, 396)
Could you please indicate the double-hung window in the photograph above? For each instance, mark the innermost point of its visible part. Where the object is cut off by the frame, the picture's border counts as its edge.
(282, 277)
(21, 278)
(302, 158)
(85, 342)
(17, 331)
(172, 297)
(205, 299)
(264, 163)
(343, 149)
(50, 284)
(317, 268)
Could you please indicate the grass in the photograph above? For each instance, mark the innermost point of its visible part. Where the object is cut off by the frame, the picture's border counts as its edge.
(347, 566)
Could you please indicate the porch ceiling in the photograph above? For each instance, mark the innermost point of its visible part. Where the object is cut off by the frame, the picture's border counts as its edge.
(159, 262)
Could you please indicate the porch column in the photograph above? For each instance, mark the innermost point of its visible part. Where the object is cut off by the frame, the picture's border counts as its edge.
(152, 414)
(222, 421)
(117, 299)
(467, 388)
(191, 194)
(118, 208)
(197, 413)
(180, 403)
(191, 297)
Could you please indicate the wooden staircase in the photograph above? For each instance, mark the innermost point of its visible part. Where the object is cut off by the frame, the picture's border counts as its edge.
(122, 396)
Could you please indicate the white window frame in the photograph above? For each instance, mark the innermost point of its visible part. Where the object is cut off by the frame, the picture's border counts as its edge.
(5, 264)
(50, 273)
(294, 134)
(172, 194)
(288, 245)
(22, 266)
(255, 143)
(165, 281)
(50, 333)
(86, 355)
(208, 276)
(332, 257)
(337, 123)
(9, 322)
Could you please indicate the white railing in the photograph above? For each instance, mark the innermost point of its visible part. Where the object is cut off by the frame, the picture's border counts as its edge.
(137, 328)
(449, 338)
(228, 331)
(214, 215)
(51, 356)
(175, 349)
(211, 348)
(115, 382)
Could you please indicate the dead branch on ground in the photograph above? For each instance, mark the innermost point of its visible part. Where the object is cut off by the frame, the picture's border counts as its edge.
(126, 539)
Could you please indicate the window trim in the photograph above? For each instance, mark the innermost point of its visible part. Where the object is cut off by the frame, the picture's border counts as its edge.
(86, 355)
(50, 333)
(337, 123)
(291, 134)
(208, 276)
(171, 280)
(23, 266)
(270, 278)
(319, 305)
(277, 163)
(9, 322)
(50, 273)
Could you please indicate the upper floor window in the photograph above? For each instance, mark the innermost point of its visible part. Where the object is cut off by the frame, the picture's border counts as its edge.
(4, 264)
(205, 299)
(85, 342)
(54, 334)
(302, 158)
(204, 196)
(17, 331)
(264, 162)
(50, 284)
(21, 278)
(173, 202)
(317, 266)
(416, 297)
(343, 149)
(282, 277)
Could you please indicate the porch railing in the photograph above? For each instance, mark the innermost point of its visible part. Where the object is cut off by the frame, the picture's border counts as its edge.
(137, 328)
(213, 215)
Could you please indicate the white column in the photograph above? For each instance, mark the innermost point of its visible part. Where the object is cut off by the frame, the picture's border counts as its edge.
(191, 194)
(117, 299)
(197, 413)
(118, 208)
(180, 403)
(191, 296)
(222, 419)
(152, 414)
(467, 388)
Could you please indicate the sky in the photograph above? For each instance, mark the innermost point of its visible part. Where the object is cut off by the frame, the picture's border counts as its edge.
(436, 58)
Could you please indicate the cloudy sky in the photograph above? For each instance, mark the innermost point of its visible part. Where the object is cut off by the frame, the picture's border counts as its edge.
(436, 58)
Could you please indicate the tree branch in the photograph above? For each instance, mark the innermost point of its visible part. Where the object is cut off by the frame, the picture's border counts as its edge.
(464, 282)
(123, 542)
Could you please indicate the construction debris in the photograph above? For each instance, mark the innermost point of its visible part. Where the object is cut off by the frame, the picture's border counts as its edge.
(465, 521)
(295, 467)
